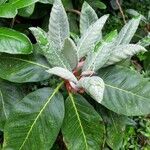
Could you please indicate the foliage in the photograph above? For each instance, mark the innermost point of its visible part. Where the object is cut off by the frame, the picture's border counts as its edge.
(60, 88)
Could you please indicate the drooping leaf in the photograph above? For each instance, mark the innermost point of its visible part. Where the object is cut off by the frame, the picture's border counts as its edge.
(58, 25)
(14, 42)
(23, 69)
(91, 36)
(8, 99)
(100, 55)
(128, 31)
(63, 73)
(94, 86)
(123, 52)
(10, 9)
(54, 57)
(126, 91)
(87, 18)
(70, 52)
(26, 11)
(82, 127)
(36, 120)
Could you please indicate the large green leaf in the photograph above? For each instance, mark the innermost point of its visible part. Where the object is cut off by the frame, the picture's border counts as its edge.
(82, 127)
(91, 36)
(87, 18)
(128, 31)
(58, 25)
(54, 57)
(23, 69)
(101, 53)
(14, 42)
(8, 99)
(10, 9)
(126, 91)
(36, 121)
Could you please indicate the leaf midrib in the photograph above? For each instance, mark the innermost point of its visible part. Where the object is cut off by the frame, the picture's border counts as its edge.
(3, 104)
(78, 117)
(129, 92)
(43, 108)
(28, 61)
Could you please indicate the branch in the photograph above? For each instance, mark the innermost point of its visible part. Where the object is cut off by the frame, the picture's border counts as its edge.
(121, 11)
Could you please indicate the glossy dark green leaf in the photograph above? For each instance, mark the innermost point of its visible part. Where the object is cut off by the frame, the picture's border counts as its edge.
(126, 91)
(23, 69)
(14, 42)
(10, 9)
(83, 128)
(36, 121)
(8, 99)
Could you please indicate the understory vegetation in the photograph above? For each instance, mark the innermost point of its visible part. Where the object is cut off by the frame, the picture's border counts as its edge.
(74, 75)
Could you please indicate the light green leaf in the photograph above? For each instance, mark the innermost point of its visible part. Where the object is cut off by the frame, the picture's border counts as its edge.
(58, 25)
(128, 31)
(100, 55)
(94, 86)
(123, 52)
(82, 127)
(87, 18)
(8, 99)
(36, 121)
(14, 42)
(10, 9)
(126, 91)
(70, 52)
(145, 41)
(63, 73)
(91, 36)
(54, 57)
(23, 69)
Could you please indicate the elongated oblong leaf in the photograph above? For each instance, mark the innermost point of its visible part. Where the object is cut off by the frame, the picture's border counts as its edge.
(87, 18)
(123, 52)
(70, 52)
(14, 42)
(91, 36)
(58, 25)
(100, 55)
(8, 99)
(128, 31)
(23, 69)
(36, 121)
(54, 57)
(126, 91)
(94, 86)
(63, 73)
(82, 127)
